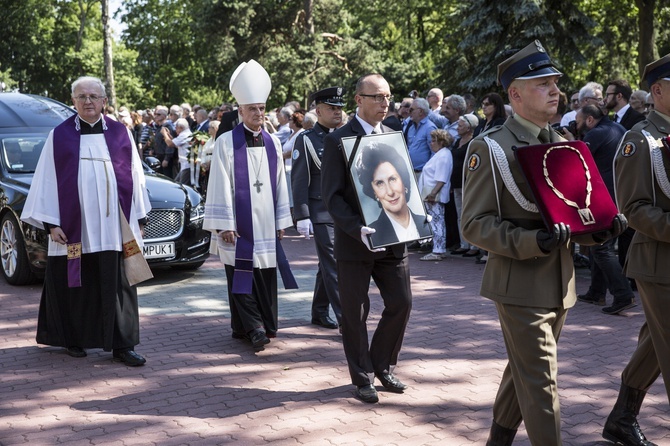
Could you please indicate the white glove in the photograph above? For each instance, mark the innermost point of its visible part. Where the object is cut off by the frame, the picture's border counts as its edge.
(304, 227)
(365, 231)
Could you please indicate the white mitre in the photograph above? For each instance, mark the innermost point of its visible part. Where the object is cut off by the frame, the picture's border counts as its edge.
(250, 83)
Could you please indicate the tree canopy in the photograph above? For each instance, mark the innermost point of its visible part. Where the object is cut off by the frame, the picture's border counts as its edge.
(185, 50)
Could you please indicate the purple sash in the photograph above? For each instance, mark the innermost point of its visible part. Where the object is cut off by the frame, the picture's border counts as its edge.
(66, 141)
(244, 250)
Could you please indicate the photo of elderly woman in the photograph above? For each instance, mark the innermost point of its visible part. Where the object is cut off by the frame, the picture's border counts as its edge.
(387, 193)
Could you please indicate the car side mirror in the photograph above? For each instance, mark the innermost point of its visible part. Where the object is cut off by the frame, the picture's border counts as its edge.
(152, 162)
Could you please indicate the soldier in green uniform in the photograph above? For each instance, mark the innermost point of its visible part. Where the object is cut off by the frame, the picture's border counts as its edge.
(643, 194)
(529, 274)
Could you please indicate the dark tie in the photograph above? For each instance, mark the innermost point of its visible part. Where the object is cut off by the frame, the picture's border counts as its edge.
(544, 136)
(616, 118)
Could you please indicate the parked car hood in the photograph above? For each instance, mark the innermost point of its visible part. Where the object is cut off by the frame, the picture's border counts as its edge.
(163, 193)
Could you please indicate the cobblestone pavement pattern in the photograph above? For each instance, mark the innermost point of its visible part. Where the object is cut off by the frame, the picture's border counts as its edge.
(200, 387)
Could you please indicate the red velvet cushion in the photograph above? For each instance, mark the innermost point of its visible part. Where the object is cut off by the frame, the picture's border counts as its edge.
(566, 172)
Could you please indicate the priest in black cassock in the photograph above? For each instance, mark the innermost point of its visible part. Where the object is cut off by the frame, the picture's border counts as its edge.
(248, 209)
(88, 180)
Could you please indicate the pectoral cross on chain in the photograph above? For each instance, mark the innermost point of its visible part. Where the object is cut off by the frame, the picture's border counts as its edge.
(258, 185)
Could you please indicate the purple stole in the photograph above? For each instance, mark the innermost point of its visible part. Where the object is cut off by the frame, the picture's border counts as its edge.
(66, 141)
(244, 250)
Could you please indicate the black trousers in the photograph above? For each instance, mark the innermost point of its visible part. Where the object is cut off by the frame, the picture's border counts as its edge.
(325, 288)
(257, 310)
(391, 275)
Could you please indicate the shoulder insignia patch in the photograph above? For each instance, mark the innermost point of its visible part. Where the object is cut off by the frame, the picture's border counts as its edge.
(474, 162)
(628, 149)
(296, 154)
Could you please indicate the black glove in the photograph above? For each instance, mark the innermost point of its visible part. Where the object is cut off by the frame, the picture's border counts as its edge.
(619, 224)
(559, 236)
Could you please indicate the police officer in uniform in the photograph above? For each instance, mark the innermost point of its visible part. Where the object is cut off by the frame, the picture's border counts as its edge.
(308, 208)
(529, 274)
(644, 197)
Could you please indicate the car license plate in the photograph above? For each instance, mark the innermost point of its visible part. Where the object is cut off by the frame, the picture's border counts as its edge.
(158, 250)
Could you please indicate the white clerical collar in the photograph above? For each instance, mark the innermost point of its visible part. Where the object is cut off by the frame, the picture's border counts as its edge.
(367, 128)
(251, 131)
(78, 121)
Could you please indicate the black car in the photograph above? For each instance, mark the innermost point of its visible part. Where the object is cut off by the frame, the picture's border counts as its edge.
(173, 237)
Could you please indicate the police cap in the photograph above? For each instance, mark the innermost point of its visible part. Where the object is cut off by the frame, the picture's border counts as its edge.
(330, 96)
(529, 63)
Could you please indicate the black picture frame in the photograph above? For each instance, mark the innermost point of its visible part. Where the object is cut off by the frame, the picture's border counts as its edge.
(379, 213)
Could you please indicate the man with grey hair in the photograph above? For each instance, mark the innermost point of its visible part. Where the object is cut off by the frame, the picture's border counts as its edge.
(591, 93)
(453, 108)
(637, 100)
(87, 301)
(284, 131)
(186, 114)
(419, 127)
(201, 120)
(182, 144)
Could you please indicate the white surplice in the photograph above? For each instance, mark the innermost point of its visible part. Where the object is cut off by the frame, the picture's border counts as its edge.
(220, 204)
(100, 231)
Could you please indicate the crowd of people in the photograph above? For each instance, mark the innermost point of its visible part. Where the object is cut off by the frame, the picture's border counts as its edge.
(264, 171)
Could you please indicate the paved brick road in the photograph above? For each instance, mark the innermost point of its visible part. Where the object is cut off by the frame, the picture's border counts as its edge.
(200, 387)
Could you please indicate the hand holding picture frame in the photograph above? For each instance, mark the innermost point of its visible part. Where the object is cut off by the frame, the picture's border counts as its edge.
(387, 192)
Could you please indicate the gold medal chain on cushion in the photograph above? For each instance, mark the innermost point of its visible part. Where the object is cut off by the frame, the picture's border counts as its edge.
(585, 213)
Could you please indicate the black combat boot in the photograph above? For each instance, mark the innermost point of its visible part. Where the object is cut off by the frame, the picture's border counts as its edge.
(621, 427)
(500, 436)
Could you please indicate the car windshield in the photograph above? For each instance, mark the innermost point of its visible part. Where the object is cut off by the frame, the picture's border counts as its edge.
(21, 153)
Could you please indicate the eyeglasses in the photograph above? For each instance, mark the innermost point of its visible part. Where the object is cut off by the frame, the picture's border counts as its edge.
(93, 98)
(405, 106)
(412, 109)
(378, 98)
(591, 98)
(574, 101)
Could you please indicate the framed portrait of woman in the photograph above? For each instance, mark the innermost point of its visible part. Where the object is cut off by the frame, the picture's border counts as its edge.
(386, 188)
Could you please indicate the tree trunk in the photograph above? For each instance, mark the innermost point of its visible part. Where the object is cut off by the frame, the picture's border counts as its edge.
(309, 18)
(647, 47)
(107, 50)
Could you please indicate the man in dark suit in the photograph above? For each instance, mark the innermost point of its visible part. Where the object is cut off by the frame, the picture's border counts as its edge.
(644, 197)
(357, 262)
(616, 99)
(603, 137)
(201, 120)
(530, 274)
(308, 208)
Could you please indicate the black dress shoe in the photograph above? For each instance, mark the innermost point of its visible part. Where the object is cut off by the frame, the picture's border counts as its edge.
(76, 352)
(618, 307)
(129, 358)
(367, 394)
(258, 340)
(391, 383)
(324, 321)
